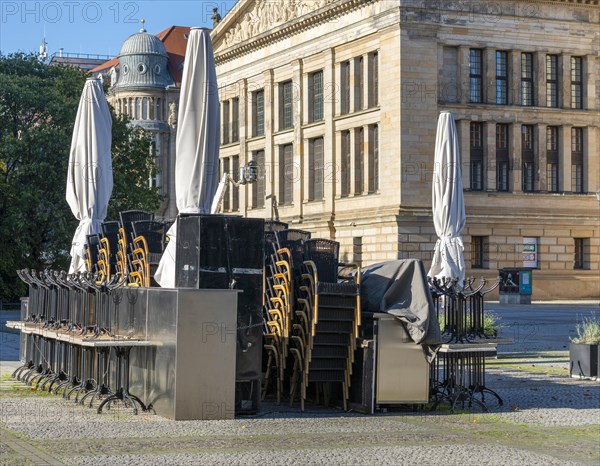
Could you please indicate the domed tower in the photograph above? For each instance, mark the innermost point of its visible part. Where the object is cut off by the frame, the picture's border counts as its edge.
(143, 63)
(141, 86)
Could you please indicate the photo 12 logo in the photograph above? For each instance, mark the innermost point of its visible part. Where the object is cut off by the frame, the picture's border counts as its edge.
(71, 12)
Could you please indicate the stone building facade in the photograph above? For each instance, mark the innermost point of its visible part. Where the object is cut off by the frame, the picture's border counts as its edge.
(337, 101)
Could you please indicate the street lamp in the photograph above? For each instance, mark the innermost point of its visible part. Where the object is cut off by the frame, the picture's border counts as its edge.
(248, 174)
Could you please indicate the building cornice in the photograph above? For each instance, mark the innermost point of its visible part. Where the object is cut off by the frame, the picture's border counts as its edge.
(286, 29)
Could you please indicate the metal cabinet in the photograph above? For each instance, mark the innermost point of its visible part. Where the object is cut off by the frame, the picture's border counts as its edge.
(402, 372)
(389, 368)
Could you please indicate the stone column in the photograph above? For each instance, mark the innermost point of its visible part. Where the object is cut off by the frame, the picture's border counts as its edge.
(244, 191)
(299, 156)
(564, 159)
(515, 180)
(463, 128)
(352, 80)
(352, 149)
(514, 79)
(336, 82)
(337, 174)
(307, 105)
(463, 74)
(541, 160)
(489, 76)
(539, 80)
(329, 141)
(489, 156)
(564, 100)
(591, 160)
(366, 83)
(590, 81)
(271, 162)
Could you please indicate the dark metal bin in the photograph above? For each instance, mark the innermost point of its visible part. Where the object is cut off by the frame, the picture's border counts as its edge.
(227, 252)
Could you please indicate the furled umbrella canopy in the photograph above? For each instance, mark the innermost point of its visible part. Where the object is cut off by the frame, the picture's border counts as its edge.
(448, 203)
(197, 143)
(89, 176)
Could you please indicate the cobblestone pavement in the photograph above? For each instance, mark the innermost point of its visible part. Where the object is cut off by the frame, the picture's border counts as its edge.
(547, 418)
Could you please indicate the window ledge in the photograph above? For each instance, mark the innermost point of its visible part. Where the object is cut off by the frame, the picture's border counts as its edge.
(352, 196)
(314, 202)
(312, 124)
(363, 111)
(284, 131)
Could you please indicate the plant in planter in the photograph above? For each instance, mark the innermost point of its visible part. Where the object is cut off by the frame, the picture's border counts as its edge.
(491, 324)
(583, 350)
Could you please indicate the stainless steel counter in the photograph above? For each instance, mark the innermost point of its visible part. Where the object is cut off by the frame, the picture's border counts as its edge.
(189, 371)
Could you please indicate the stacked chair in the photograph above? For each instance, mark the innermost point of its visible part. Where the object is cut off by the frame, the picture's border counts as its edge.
(149, 237)
(109, 245)
(277, 308)
(131, 247)
(131, 255)
(312, 315)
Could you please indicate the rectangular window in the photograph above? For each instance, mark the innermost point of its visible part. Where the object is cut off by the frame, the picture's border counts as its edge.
(478, 252)
(315, 96)
(285, 105)
(577, 178)
(225, 120)
(154, 179)
(475, 76)
(576, 82)
(373, 79)
(359, 160)
(552, 160)
(527, 157)
(286, 174)
(581, 259)
(577, 160)
(373, 158)
(235, 190)
(226, 204)
(528, 177)
(358, 84)
(258, 188)
(527, 79)
(315, 169)
(501, 77)
(345, 87)
(552, 81)
(502, 159)
(258, 113)
(476, 145)
(552, 177)
(346, 163)
(235, 120)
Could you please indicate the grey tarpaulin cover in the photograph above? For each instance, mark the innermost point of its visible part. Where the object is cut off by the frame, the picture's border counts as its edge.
(400, 288)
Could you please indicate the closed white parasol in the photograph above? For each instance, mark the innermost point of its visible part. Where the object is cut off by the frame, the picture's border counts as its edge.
(90, 176)
(448, 203)
(197, 143)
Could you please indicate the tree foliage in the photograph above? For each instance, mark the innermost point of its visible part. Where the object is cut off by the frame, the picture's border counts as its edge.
(38, 105)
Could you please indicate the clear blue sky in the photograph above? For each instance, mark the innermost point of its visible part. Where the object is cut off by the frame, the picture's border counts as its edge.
(98, 27)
